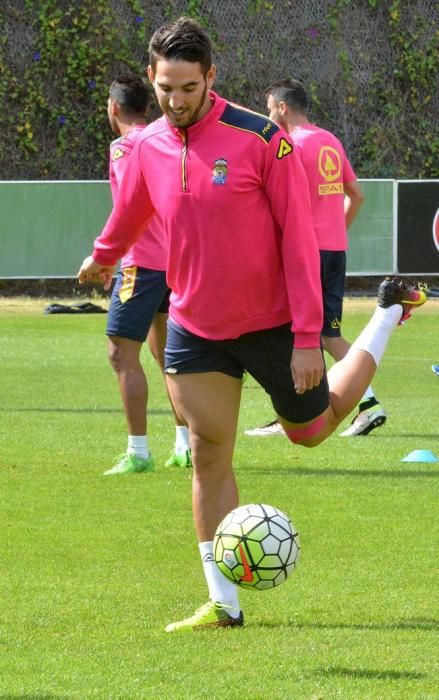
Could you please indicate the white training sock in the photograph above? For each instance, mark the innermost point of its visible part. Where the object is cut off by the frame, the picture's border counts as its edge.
(181, 439)
(138, 445)
(375, 336)
(368, 394)
(221, 590)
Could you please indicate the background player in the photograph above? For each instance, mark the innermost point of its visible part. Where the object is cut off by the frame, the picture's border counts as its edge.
(140, 299)
(336, 198)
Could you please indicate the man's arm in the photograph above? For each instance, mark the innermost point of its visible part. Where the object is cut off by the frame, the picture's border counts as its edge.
(286, 186)
(131, 212)
(91, 271)
(354, 198)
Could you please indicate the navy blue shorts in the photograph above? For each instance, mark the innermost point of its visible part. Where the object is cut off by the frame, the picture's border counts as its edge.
(332, 273)
(139, 293)
(266, 355)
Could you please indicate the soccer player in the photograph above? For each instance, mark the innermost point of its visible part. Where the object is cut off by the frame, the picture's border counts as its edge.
(244, 269)
(336, 198)
(140, 299)
(435, 369)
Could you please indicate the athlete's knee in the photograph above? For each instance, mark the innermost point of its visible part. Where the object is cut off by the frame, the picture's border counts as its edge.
(158, 354)
(211, 456)
(308, 435)
(123, 358)
(114, 356)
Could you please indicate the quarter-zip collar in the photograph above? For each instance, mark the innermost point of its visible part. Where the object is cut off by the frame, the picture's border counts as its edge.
(218, 106)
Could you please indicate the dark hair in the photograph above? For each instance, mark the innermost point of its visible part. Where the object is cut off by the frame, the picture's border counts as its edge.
(181, 40)
(291, 92)
(131, 93)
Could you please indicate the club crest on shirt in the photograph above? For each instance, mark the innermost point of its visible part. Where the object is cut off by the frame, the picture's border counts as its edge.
(220, 172)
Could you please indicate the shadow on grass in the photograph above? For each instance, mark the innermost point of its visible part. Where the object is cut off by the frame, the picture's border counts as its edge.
(152, 411)
(393, 436)
(33, 697)
(368, 673)
(306, 471)
(418, 624)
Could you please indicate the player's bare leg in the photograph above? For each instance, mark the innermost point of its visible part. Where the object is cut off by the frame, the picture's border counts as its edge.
(124, 356)
(369, 414)
(349, 378)
(347, 381)
(337, 346)
(209, 404)
(181, 454)
(157, 339)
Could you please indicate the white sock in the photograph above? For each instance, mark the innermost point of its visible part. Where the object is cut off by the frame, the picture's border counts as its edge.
(368, 394)
(374, 338)
(181, 439)
(138, 445)
(221, 590)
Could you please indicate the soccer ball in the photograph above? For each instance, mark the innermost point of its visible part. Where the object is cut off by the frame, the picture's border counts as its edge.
(256, 546)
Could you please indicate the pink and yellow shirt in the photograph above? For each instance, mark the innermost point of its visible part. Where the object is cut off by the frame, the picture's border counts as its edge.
(328, 169)
(233, 199)
(149, 250)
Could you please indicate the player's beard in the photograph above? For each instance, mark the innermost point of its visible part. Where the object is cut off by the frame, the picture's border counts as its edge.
(197, 111)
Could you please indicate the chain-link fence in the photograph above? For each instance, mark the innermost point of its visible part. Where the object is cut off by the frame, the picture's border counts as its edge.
(369, 66)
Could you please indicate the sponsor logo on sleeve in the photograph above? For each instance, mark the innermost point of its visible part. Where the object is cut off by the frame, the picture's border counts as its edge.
(267, 128)
(285, 148)
(117, 153)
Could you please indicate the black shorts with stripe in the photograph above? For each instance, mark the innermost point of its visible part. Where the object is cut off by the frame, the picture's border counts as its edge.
(265, 355)
(332, 274)
(139, 293)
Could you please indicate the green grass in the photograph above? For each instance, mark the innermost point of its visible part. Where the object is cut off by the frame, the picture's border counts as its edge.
(92, 569)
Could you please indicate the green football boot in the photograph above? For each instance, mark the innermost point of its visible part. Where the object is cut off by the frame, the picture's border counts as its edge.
(179, 460)
(131, 464)
(210, 615)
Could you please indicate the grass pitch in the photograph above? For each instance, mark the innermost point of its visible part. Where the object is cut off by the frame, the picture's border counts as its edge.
(93, 568)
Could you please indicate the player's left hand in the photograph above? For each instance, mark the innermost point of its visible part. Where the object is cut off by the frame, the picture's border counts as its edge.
(307, 368)
(91, 271)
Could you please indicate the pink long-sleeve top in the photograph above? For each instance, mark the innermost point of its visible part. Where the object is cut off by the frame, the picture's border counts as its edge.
(149, 249)
(234, 203)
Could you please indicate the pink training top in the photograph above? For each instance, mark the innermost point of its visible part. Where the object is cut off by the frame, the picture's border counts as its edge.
(234, 201)
(327, 168)
(149, 250)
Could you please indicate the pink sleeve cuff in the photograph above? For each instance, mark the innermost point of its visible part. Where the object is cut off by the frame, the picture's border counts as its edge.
(306, 340)
(100, 257)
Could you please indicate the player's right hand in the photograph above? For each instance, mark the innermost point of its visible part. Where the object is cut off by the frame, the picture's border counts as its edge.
(92, 271)
(307, 368)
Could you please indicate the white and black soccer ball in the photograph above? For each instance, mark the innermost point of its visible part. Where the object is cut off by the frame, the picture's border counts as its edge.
(256, 546)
